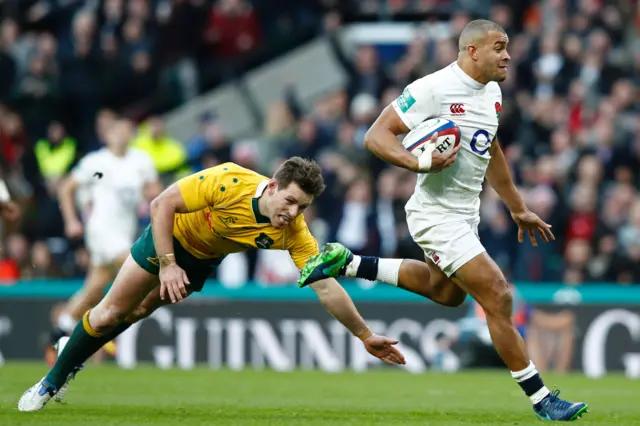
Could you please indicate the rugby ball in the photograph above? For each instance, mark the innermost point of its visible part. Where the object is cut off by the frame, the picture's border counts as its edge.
(417, 140)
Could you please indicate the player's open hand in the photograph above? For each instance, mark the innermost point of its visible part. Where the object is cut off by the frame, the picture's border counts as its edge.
(382, 347)
(173, 283)
(532, 224)
(442, 160)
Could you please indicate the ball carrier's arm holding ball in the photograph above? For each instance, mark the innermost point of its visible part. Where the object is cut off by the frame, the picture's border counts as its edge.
(443, 213)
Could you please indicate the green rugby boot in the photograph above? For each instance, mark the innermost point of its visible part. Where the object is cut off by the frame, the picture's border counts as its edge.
(330, 262)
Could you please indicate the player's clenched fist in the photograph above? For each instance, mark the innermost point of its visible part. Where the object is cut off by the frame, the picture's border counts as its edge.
(173, 282)
(433, 161)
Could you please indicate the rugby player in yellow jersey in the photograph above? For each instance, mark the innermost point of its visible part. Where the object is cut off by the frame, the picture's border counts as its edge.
(194, 224)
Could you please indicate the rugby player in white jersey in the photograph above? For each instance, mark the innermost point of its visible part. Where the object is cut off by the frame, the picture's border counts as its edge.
(443, 213)
(117, 179)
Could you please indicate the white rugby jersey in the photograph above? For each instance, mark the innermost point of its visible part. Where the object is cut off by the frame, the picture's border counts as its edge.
(116, 187)
(450, 93)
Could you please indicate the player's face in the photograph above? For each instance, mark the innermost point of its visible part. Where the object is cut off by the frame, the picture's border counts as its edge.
(493, 57)
(120, 134)
(285, 204)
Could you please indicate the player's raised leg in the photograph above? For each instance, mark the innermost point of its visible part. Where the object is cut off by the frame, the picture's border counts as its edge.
(425, 279)
(97, 327)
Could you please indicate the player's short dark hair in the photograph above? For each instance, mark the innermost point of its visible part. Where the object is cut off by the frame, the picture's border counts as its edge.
(475, 29)
(304, 172)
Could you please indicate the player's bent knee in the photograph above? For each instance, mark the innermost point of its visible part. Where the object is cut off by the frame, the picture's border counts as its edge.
(455, 298)
(104, 318)
(500, 300)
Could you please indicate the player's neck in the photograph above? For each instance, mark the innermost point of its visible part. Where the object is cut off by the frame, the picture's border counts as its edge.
(118, 152)
(469, 69)
(262, 205)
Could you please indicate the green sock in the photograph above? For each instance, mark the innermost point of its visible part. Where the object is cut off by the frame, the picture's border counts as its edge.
(83, 342)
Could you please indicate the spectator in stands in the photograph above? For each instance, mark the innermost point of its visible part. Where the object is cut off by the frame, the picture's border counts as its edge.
(233, 28)
(42, 264)
(12, 139)
(168, 154)
(367, 74)
(231, 32)
(15, 258)
(36, 95)
(210, 141)
(8, 66)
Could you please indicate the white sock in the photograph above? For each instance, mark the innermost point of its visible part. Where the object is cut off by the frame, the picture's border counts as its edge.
(528, 373)
(66, 322)
(388, 271)
(352, 267)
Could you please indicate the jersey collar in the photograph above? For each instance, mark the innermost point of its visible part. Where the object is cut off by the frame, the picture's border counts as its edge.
(260, 218)
(466, 79)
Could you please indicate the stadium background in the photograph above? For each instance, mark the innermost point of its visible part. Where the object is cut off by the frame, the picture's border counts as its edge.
(254, 82)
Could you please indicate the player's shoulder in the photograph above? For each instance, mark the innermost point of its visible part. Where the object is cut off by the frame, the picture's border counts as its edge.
(493, 88)
(436, 83)
(98, 156)
(139, 155)
(235, 181)
(234, 170)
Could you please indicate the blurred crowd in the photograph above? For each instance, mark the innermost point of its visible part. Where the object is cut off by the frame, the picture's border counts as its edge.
(570, 124)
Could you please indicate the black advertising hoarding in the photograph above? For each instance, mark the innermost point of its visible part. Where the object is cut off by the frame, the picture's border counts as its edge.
(300, 334)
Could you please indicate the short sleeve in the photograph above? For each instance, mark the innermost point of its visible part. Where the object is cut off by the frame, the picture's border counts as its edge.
(301, 244)
(202, 189)
(86, 170)
(418, 102)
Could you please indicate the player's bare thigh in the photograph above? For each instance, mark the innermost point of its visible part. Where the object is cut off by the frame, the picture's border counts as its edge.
(428, 280)
(445, 290)
(482, 278)
(130, 288)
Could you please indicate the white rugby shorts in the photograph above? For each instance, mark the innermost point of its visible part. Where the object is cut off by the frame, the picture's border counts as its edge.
(448, 241)
(105, 247)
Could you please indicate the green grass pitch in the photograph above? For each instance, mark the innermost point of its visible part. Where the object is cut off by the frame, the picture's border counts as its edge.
(106, 395)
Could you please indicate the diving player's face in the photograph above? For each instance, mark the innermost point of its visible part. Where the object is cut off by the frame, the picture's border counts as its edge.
(493, 56)
(285, 204)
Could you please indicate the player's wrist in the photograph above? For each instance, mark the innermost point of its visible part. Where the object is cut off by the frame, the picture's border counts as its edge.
(518, 210)
(365, 334)
(167, 259)
(425, 162)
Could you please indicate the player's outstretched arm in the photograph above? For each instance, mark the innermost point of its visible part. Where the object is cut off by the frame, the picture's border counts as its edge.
(382, 140)
(338, 303)
(499, 177)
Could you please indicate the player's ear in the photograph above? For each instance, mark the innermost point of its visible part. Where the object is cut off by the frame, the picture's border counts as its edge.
(472, 51)
(272, 186)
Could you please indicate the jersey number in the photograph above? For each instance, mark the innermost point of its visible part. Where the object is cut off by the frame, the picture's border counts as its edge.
(482, 138)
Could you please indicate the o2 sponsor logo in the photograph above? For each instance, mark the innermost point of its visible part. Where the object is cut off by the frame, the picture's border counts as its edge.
(481, 142)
